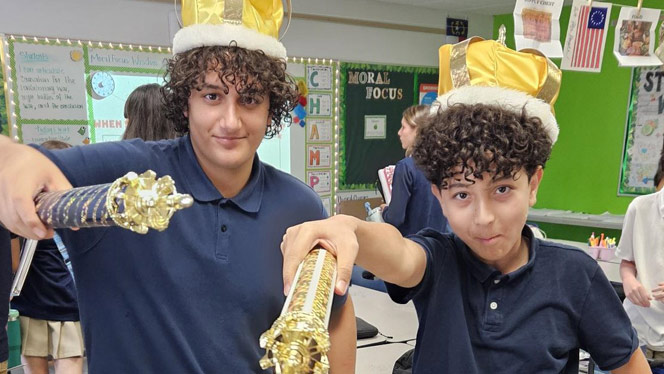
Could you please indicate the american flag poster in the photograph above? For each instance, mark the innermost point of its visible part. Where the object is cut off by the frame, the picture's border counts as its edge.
(586, 36)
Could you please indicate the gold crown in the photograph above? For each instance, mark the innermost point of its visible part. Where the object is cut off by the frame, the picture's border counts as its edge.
(486, 71)
(251, 24)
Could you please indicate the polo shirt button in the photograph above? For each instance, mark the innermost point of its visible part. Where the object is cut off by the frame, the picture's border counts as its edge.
(496, 281)
(223, 228)
(493, 305)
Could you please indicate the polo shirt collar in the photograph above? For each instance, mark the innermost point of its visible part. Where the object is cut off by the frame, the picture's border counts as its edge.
(249, 199)
(199, 185)
(483, 272)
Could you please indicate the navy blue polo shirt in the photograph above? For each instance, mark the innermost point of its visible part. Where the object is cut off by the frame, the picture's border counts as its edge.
(473, 319)
(5, 288)
(193, 298)
(49, 292)
(413, 207)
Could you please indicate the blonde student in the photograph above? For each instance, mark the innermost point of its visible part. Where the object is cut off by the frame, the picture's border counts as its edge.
(490, 298)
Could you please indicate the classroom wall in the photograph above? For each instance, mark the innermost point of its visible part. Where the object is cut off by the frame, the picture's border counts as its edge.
(121, 20)
(582, 174)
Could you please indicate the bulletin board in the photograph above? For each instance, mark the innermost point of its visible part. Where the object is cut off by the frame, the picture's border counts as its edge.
(73, 90)
(4, 123)
(318, 113)
(373, 98)
(644, 132)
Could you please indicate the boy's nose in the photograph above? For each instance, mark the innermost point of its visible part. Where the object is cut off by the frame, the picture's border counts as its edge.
(483, 214)
(229, 118)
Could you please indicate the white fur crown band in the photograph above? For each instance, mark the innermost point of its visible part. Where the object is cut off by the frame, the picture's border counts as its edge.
(203, 35)
(509, 99)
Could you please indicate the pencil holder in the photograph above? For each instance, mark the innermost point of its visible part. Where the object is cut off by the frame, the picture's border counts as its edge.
(601, 253)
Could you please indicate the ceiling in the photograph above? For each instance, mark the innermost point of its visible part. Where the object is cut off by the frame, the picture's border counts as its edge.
(487, 7)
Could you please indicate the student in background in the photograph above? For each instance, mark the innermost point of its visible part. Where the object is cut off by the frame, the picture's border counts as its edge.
(5, 287)
(48, 309)
(641, 249)
(490, 297)
(413, 207)
(145, 115)
(193, 298)
(659, 175)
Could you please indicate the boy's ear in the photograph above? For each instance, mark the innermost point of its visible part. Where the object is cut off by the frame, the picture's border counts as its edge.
(435, 190)
(534, 185)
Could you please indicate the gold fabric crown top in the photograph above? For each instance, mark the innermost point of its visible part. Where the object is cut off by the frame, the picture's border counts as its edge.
(479, 62)
(249, 24)
(264, 16)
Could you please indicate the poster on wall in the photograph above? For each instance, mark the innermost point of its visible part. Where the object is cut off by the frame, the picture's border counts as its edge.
(428, 93)
(317, 111)
(374, 98)
(643, 132)
(320, 181)
(4, 122)
(537, 25)
(586, 36)
(74, 91)
(634, 42)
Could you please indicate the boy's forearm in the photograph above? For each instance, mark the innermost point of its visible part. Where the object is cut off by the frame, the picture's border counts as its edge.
(627, 270)
(343, 339)
(388, 255)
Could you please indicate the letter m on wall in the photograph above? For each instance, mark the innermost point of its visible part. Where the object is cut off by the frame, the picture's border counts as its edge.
(314, 157)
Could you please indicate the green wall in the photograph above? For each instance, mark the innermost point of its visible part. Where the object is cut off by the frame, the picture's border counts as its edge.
(582, 173)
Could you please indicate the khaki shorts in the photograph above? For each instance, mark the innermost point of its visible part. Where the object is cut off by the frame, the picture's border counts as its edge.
(3, 367)
(654, 354)
(42, 338)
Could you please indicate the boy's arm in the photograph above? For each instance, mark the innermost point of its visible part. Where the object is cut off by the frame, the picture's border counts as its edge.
(377, 247)
(24, 172)
(16, 254)
(395, 213)
(343, 339)
(637, 364)
(634, 290)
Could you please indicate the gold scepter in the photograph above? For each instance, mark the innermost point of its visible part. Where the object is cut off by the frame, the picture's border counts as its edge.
(298, 341)
(134, 202)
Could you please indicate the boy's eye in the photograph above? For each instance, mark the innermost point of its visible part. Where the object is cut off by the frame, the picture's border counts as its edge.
(503, 190)
(461, 196)
(251, 100)
(211, 96)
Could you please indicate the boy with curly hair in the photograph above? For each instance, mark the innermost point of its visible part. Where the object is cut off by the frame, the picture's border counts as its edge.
(196, 297)
(490, 297)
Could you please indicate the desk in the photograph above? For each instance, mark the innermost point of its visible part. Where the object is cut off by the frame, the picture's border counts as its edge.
(563, 217)
(397, 322)
(611, 268)
(379, 359)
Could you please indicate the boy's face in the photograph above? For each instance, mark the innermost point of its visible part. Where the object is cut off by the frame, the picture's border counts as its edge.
(488, 215)
(225, 129)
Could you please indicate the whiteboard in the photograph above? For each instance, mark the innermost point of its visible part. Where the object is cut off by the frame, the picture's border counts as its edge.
(75, 91)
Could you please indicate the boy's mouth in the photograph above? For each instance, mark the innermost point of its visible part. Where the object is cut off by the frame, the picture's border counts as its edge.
(488, 239)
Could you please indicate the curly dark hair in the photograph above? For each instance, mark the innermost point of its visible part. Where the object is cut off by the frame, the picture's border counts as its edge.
(251, 72)
(480, 138)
